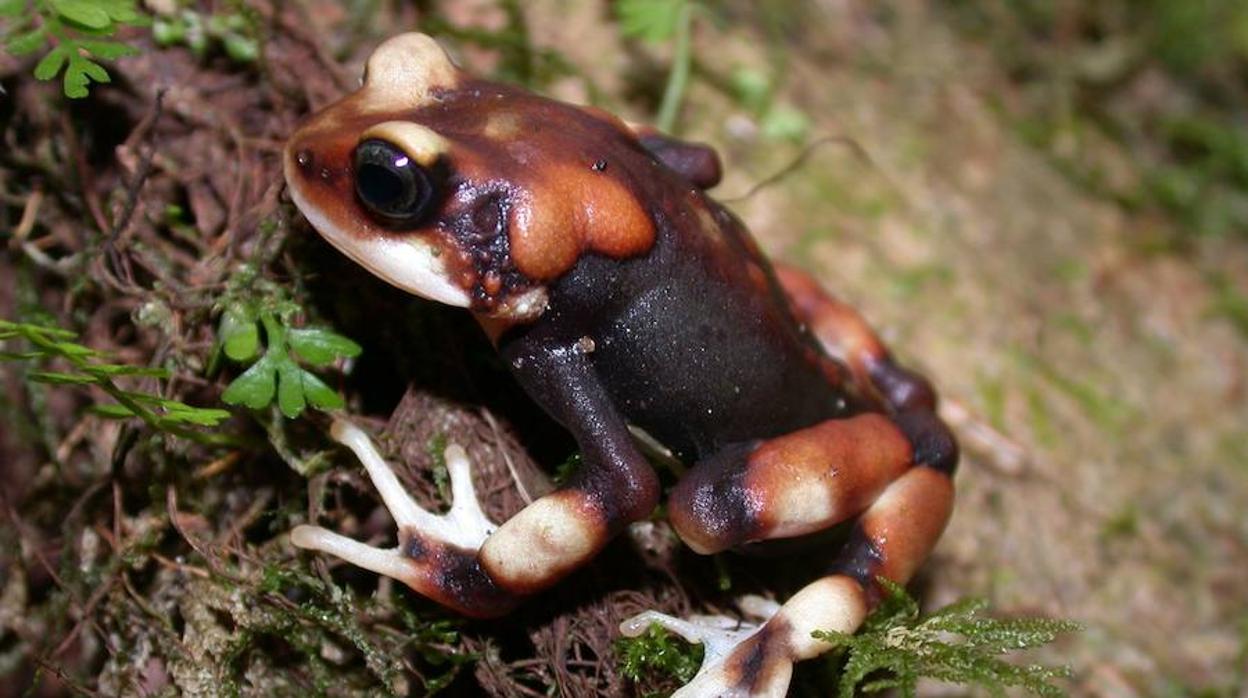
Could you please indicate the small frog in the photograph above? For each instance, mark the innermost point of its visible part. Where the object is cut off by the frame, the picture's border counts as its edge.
(624, 300)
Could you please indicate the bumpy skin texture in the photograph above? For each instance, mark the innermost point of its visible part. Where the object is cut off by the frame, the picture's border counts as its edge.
(621, 294)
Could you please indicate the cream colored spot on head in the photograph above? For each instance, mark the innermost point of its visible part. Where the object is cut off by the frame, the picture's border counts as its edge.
(403, 71)
(423, 145)
(502, 126)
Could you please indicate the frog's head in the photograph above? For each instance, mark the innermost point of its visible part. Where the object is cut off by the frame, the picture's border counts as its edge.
(462, 191)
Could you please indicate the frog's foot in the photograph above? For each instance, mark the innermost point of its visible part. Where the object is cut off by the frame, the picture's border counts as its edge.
(437, 553)
(744, 660)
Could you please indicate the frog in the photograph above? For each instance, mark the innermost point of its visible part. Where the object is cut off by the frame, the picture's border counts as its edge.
(641, 315)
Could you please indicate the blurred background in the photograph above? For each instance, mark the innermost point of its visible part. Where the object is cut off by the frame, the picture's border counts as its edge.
(1041, 205)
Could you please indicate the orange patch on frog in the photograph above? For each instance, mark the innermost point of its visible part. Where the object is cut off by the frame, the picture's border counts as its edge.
(570, 209)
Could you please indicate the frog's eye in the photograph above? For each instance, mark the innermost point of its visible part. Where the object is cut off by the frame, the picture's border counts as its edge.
(391, 185)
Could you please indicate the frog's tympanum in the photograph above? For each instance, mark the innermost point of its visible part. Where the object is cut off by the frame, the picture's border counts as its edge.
(623, 299)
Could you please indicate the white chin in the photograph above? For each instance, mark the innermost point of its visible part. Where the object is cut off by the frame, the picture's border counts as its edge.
(410, 264)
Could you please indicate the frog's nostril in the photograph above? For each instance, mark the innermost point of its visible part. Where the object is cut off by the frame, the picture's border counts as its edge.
(303, 159)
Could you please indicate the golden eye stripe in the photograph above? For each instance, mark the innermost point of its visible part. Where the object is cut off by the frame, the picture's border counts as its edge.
(423, 145)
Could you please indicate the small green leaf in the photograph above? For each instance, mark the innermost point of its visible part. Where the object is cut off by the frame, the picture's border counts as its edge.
(145, 399)
(896, 647)
(112, 411)
(321, 347)
(241, 49)
(196, 33)
(112, 370)
(120, 10)
(90, 68)
(23, 44)
(255, 387)
(74, 349)
(80, 73)
(108, 50)
(321, 396)
(167, 32)
(57, 378)
(290, 397)
(751, 87)
(50, 64)
(11, 329)
(784, 122)
(239, 333)
(75, 85)
(84, 12)
(199, 416)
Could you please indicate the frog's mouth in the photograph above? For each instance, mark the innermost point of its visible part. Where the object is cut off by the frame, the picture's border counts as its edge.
(410, 262)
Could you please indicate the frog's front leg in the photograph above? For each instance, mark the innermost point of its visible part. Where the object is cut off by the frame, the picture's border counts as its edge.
(461, 560)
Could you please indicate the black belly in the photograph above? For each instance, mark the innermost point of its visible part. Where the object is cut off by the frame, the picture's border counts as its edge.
(694, 340)
(700, 363)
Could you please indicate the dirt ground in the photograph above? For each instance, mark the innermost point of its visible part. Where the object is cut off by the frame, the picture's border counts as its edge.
(1097, 381)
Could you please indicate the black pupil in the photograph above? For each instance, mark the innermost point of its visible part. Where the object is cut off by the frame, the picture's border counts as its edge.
(394, 189)
(379, 185)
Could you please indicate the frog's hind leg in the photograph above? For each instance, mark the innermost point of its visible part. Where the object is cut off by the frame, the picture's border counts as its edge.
(893, 471)
(899, 487)
(437, 553)
(845, 335)
(890, 539)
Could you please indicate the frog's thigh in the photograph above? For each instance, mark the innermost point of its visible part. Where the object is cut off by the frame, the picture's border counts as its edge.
(790, 485)
(846, 335)
(891, 539)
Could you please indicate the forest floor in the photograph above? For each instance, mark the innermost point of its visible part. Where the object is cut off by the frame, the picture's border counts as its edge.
(1093, 357)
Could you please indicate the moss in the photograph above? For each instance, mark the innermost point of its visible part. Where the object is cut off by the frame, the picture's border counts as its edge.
(897, 646)
(658, 652)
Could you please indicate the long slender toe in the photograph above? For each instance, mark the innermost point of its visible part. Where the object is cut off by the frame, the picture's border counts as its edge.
(388, 562)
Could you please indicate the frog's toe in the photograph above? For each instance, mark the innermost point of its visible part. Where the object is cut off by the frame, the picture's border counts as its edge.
(389, 562)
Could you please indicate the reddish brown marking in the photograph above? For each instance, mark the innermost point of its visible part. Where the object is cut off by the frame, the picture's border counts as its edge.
(606, 117)
(836, 324)
(790, 485)
(453, 577)
(845, 334)
(754, 663)
(847, 461)
(569, 209)
(905, 522)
